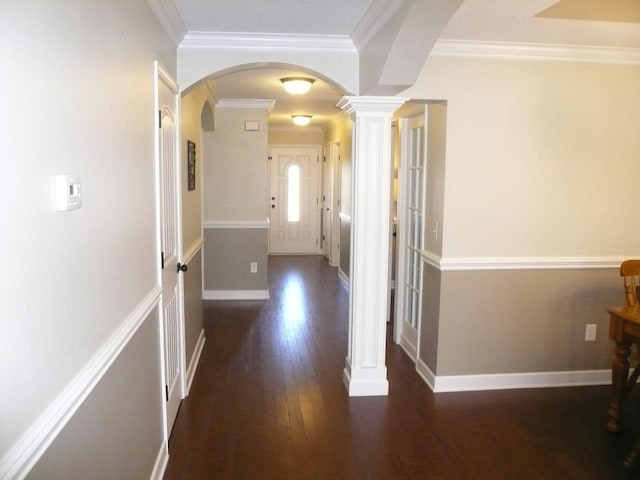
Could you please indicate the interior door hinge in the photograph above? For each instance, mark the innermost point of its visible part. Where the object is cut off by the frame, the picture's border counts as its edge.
(162, 260)
(324, 159)
(269, 158)
(166, 392)
(159, 118)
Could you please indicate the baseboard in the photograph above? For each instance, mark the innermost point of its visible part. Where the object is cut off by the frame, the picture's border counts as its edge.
(511, 381)
(426, 374)
(343, 277)
(24, 454)
(235, 295)
(195, 360)
(161, 462)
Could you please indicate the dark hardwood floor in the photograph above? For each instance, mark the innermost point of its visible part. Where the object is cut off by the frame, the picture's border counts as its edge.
(268, 402)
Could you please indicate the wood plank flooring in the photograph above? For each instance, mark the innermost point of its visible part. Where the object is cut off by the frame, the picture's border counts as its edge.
(268, 402)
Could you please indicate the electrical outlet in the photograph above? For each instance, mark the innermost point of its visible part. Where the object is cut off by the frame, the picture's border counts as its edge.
(590, 332)
(254, 267)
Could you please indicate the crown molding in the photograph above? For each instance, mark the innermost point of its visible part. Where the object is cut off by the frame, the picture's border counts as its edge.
(262, 41)
(537, 51)
(246, 103)
(376, 17)
(169, 18)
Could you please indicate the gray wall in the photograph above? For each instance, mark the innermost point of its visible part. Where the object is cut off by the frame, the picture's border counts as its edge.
(117, 432)
(517, 321)
(345, 247)
(193, 304)
(227, 257)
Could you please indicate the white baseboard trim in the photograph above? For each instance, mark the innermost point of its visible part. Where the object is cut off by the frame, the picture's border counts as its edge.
(24, 454)
(195, 360)
(235, 295)
(343, 277)
(161, 462)
(426, 374)
(511, 381)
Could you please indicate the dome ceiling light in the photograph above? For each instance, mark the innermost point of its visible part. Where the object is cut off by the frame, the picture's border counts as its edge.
(301, 120)
(297, 85)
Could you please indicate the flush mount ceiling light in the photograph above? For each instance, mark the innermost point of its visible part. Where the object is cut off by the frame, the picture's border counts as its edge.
(297, 85)
(301, 120)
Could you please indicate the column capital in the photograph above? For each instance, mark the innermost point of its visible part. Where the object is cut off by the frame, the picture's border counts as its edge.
(373, 105)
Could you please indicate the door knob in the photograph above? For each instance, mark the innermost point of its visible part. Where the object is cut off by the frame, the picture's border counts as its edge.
(181, 267)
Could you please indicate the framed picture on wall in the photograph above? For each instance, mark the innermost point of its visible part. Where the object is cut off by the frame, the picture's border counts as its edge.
(191, 165)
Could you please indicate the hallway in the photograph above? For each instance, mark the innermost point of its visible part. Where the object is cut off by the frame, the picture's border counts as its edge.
(268, 402)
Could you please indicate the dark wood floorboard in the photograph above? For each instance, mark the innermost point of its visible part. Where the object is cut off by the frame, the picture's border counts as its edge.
(268, 402)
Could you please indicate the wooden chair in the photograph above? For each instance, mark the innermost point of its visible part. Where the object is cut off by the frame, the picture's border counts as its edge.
(630, 273)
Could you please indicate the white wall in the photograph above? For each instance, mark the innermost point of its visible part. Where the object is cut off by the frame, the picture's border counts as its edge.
(541, 157)
(77, 98)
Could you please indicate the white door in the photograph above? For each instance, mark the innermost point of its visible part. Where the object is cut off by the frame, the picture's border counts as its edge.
(409, 279)
(294, 204)
(170, 245)
(327, 201)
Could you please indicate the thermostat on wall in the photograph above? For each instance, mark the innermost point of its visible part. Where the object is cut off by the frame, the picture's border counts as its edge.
(68, 192)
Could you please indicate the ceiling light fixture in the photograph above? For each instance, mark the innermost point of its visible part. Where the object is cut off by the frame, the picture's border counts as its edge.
(301, 120)
(297, 85)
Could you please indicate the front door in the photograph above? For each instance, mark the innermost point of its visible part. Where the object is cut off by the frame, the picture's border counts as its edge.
(294, 204)
(170, 244)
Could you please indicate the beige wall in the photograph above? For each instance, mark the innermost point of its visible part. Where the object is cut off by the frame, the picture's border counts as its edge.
(235, 171)
(339, 131)
(540, 156)
(79, 277)
(192, 105)
(297, 136)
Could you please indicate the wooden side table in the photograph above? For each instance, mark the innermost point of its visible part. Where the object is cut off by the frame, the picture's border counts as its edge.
(624, 329)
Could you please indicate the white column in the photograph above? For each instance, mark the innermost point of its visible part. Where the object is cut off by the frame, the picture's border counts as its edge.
(365, 372)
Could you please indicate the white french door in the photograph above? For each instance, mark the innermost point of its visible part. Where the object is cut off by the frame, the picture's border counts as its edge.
(409, 279)
(293, 203)
(170, 245)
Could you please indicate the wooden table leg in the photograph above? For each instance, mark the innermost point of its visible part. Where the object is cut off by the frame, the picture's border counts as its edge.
(619, 374)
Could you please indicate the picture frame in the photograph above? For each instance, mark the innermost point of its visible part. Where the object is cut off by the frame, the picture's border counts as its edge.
(191, 165)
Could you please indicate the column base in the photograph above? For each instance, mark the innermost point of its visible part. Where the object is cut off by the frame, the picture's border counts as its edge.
(365, 382)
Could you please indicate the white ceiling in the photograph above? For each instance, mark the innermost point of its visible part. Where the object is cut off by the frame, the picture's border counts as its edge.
(564, 22)
(310, 17)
